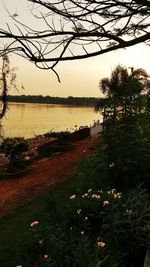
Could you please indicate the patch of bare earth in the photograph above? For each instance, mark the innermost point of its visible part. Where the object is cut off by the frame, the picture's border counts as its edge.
(42, 174)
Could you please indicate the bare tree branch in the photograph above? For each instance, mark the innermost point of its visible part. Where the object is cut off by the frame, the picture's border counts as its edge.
(76, 29)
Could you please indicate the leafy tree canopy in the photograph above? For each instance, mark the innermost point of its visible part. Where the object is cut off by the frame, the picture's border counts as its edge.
(127, 94)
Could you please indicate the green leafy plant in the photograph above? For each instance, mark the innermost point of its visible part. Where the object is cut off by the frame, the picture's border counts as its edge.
(126, 126)
(62, 136)
(126, 95)
(13, 147)
(128, 154)
(46, 150)
(97, 228)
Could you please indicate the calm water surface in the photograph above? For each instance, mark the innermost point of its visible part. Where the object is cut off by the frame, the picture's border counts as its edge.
(29, 120)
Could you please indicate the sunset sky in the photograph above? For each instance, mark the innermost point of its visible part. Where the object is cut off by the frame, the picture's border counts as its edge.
(78, 78)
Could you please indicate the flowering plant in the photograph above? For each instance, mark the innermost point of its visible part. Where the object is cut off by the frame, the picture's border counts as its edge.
(90, 229)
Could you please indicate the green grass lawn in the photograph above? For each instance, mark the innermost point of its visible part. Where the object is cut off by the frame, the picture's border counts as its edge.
(16, 222)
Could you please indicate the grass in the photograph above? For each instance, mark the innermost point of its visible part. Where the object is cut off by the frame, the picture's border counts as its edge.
(116, 220)
(12, 226)
(16, 222)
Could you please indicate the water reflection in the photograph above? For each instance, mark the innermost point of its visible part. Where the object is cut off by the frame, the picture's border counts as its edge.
(28, 120)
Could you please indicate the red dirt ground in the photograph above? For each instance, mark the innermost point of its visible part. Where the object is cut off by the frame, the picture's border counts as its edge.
(42, 174)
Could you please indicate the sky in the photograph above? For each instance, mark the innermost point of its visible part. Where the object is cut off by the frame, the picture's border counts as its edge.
(78, 78)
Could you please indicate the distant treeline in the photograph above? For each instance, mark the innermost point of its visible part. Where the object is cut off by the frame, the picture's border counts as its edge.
(75, 101)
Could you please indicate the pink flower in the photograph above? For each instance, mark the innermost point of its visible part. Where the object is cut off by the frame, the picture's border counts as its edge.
(45, 257)
(105, 202)
(95, 196)
(101, 244)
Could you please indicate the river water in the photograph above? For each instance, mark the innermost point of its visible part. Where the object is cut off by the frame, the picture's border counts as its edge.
(29, 120)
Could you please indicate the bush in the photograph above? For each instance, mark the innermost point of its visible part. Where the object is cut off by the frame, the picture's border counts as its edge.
(15, 166)
(46, 150)
(62, 136)
(97, 228)
(128, 155)
(13, 147)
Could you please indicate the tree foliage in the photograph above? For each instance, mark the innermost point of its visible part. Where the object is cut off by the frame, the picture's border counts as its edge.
(126, 126)
(127, 95)
(70, 100)
(77, 29)
(7, 81)
(13, 147)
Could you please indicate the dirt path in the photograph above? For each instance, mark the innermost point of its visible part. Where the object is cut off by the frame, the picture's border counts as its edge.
(42, 174)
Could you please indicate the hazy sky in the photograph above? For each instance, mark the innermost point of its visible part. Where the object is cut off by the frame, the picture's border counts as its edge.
(78, 78)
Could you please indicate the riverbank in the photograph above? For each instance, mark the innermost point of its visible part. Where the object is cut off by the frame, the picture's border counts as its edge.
(70, 100)
(42, 174)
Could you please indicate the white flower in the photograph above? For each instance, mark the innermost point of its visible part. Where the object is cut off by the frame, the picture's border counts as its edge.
(129, 211)
(73, 196)
(34, 223)
(111, 165)
(89, 190)
(79, 211)
(85, 195)
(82, 232)
(113, 191)
(100, 191)
(117, 195)
(27, 158)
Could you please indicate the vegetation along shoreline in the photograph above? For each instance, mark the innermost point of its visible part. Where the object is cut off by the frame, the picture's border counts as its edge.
(75, 101)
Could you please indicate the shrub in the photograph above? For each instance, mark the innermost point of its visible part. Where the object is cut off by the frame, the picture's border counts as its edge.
(62, 135)
(97, 228)
(128, 155)
(14, 147)
(46, 150)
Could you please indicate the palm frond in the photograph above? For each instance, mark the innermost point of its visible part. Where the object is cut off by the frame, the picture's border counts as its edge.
(104, 86)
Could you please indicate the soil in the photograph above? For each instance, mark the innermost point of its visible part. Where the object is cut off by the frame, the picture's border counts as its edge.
(42, 174)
